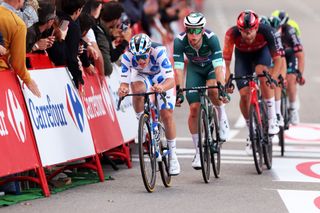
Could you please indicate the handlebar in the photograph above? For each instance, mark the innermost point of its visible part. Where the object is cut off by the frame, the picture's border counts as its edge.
(145, 94)
(265, 74)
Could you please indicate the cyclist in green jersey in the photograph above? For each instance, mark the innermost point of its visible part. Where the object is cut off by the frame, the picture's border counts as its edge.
(205, 67)
(284, 17)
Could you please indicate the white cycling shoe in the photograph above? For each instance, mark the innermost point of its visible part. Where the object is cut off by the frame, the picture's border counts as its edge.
(224, 129)
(196, 162)
(273, 126)
(295, 118)
(174, 167)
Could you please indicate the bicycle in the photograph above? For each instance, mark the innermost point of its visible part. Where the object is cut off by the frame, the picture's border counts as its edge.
(258, 119)
(285, 110)
(209, 144)
(152, 144)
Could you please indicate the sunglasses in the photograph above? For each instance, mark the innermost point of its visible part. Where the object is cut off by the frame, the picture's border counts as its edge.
(196, 31)
(143, 56)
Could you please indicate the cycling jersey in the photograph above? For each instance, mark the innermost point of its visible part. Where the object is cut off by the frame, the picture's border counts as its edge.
(159, 62)
(201, 62)
(290, 39)
(157, 71)
(265, 37)
(207, 57)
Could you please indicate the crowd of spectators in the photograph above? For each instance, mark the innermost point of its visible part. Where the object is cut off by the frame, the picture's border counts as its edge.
(87, 36)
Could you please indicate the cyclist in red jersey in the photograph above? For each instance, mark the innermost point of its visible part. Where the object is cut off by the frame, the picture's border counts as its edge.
(255, 48)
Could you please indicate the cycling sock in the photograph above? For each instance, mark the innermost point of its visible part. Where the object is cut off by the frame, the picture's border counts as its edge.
(294, 105)
(221, 112)
(195, 138)
(278, 107)
(138, 114)
(172, 147)
(271, 108)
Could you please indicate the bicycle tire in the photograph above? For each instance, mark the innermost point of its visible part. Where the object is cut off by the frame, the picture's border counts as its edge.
(255, 131)
(267, 147)
(203, 144)
(285, 115)
(215, 150)
(164, 151)
(147, 153)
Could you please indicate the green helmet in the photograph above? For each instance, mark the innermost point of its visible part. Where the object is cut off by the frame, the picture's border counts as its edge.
(264, 20)
(275, 22)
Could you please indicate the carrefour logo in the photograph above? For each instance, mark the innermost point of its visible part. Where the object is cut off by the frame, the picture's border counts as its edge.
(48, 115)
(16, 116)
(75, 108)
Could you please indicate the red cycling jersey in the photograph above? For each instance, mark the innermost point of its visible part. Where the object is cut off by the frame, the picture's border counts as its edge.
(265, 36)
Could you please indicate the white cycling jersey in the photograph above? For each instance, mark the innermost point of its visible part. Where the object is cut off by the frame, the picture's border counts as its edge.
(157, 71)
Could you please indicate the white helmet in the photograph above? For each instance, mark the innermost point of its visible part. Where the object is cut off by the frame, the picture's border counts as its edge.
(140, 44)
(195, 20)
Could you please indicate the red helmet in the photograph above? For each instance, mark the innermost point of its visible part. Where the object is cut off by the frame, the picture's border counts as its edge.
(247, 19)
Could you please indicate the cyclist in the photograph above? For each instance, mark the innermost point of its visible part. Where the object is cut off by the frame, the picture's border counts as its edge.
(146, 67)
(255, 46)
(284, 17)
(295, 63)
(274, 22)
(205, 67)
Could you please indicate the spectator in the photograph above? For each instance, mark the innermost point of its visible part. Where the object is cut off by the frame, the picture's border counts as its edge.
(3, 50)
(29, 12)
(71, 10)
(14, 33)
(38, 35)
(136, 12)
(111, 40)
(93, 8)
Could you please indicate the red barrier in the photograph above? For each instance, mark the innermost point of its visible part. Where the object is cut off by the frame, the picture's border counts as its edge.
(38, 61)
(17, 144)
(101, 114)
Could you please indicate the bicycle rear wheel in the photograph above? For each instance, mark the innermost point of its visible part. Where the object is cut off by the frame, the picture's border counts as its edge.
(203, 144)
(216, 145)
(165, 164)
(266, 142)
(255, 130)
(285, 115)
(147, 153)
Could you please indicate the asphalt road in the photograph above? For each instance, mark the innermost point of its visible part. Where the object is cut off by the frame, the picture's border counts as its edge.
(285, 188)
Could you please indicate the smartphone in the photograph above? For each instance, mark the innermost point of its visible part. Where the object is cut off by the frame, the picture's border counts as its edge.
(64, 25)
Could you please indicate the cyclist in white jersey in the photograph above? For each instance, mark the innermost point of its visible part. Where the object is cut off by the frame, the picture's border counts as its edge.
(146, 67)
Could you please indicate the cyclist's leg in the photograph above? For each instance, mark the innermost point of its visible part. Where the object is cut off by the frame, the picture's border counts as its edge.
(193, 79)
(263, 61)
(243, 67)
(214, 97)
(166, 113)
(139, 84)
(292, 87)
(278, 92)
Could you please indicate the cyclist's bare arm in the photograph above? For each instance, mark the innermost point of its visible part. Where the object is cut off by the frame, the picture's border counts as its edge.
(166, 85)
(300, 57)
(179, 77)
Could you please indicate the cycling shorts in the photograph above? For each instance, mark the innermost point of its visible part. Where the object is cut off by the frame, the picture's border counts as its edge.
(245, 63)
(149, 80)
(197, 76)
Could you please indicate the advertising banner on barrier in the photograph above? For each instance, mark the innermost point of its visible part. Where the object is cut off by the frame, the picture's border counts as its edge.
(101, 114)
(17, 145)
(58, 118)
(126, 115)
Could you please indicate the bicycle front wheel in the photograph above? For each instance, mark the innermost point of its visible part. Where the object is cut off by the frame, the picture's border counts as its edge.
(216, 145)
(267, 143)
(255, 130)
(203, 144)
(164, 165)
(147, 153)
